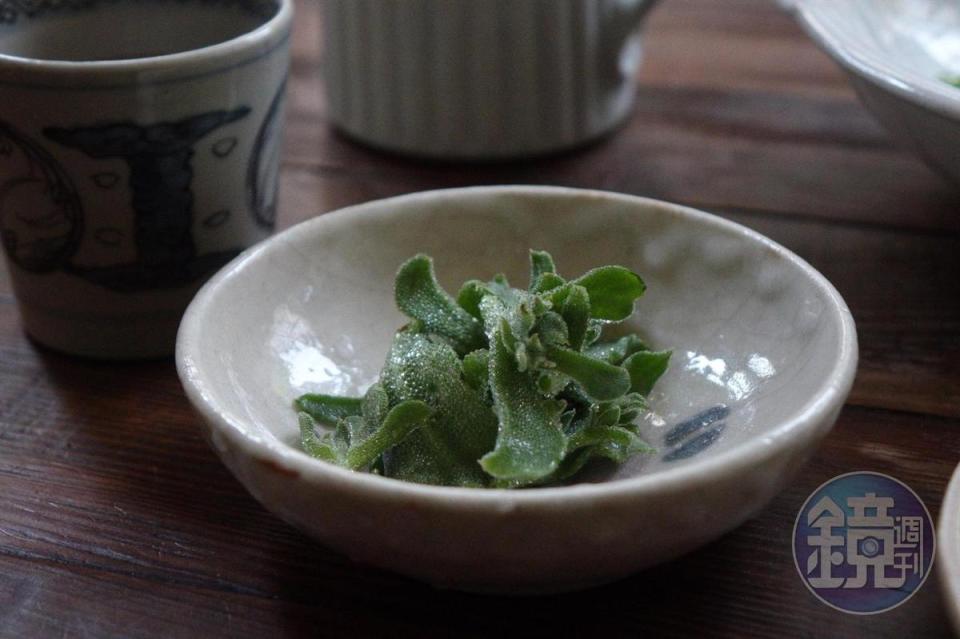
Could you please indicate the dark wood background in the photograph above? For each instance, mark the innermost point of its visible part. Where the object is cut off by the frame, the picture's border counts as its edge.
(117, 520)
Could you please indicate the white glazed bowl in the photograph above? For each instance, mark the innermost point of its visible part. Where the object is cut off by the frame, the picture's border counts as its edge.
(948, 549)
(761, 341)
(897, 54)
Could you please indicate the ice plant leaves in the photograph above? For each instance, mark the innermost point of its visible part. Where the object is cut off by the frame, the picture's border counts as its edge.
(530, 443)
(470, 295)
(615, 443)
(313, 444)
(500, 387)
(402, 420)
(355, 445)
(463, 426)
(618, 350)
(576, 313)
(540, 263)
(328, 409)
(476, 369)
(599, 379)
(645, 368)
(612, 291)
(419, 296)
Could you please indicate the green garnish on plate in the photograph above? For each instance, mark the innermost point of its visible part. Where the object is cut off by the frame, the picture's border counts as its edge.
(952, 79)
(498, 387)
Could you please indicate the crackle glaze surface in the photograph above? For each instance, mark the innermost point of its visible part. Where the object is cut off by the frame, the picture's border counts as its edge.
(899, 55)
(764, 355)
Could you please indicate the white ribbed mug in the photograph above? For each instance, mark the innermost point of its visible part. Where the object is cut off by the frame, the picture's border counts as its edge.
(480, 79)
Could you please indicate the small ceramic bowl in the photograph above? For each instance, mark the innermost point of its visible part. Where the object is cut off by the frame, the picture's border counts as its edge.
(765, 352)
(948, 549)
(899, 56)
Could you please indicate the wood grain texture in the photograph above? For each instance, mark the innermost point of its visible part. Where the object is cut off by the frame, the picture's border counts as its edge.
(116, 519)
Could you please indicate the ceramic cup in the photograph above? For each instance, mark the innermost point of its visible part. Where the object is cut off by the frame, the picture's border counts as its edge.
(139, 146)
(480, 79)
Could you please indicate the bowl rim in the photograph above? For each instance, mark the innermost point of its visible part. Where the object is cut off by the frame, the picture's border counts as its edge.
(948, 548)
(931, 93)
(286, 459)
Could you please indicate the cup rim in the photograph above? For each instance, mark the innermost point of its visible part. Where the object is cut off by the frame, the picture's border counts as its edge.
(261, 39)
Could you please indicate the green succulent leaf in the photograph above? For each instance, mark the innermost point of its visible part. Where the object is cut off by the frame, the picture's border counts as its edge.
(598, 379)
(499, 387)
(598, 434)
(375, 405)
(420, 297)
(547, 282)
(328, 409)
(312, 443)
(645, 368)
(609, 417)
(584, 408)
(540, 263)
(510, 316)
(598, 441)
(500, 287)
(399, 423)
(575, 311)
(470, 295)
(631, 405)
(476, 369)
(594, 330)
(612, 291)
(614, 352)
(530, 442)
(351, 430)
(551, 382)
(462, 427)
(551, 329)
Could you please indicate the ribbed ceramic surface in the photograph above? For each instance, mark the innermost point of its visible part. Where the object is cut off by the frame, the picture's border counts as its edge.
(480, 78)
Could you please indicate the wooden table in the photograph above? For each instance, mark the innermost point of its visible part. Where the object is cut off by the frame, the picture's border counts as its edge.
(116, 519)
